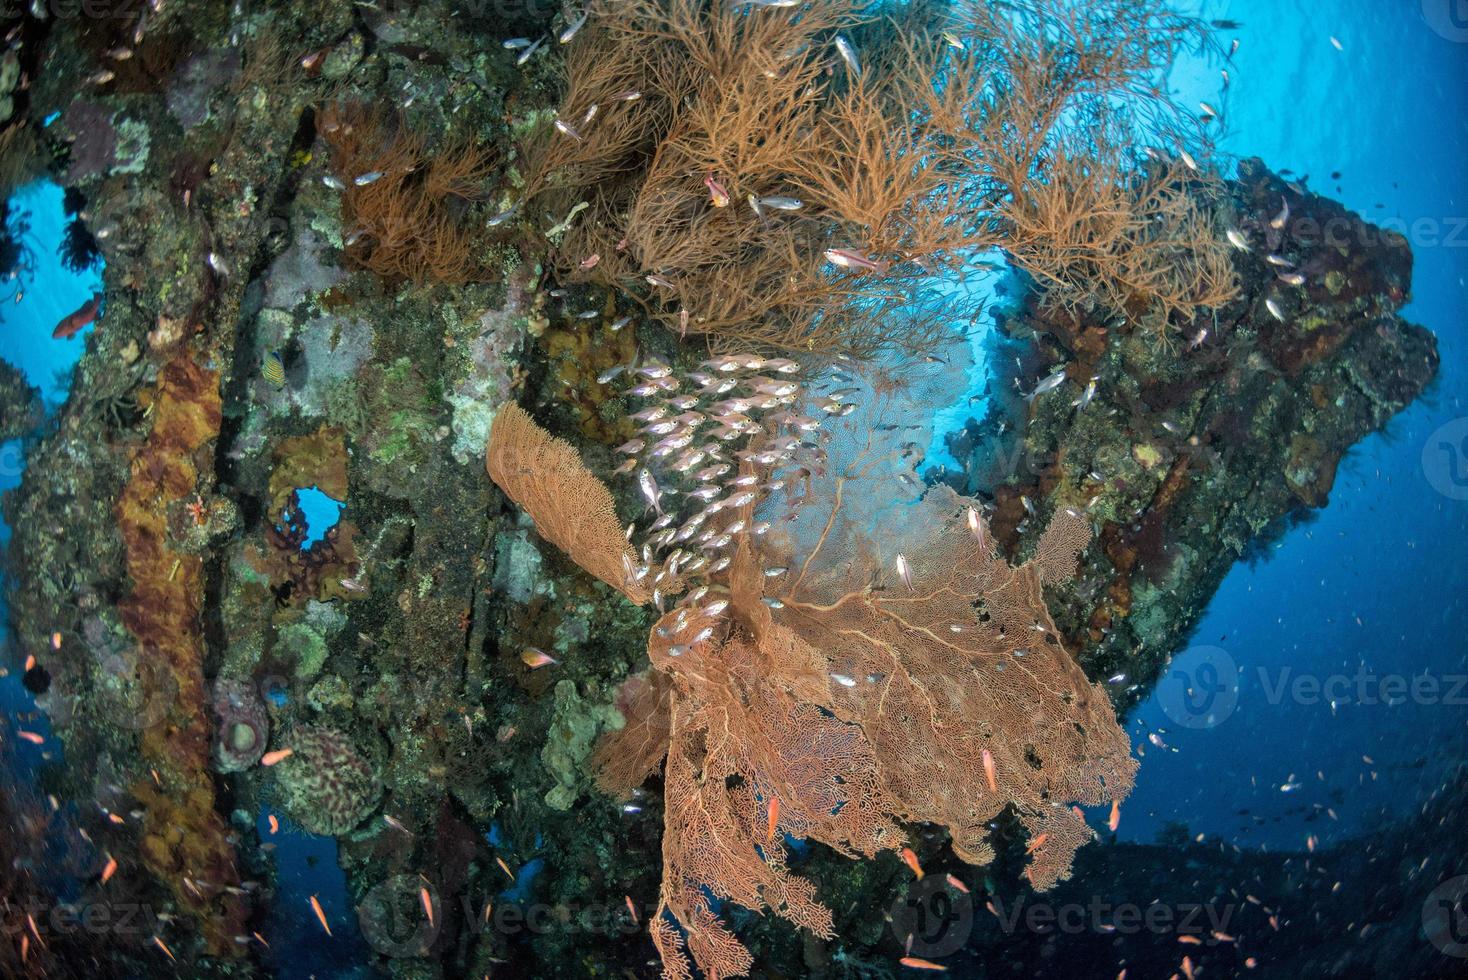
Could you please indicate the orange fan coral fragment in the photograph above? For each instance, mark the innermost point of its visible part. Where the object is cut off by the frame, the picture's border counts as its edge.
(572, 509)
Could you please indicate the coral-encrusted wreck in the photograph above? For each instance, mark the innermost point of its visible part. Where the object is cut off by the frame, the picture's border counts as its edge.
(271, 325)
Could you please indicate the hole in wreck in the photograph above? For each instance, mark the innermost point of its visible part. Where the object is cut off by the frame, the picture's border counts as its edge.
(313, 512)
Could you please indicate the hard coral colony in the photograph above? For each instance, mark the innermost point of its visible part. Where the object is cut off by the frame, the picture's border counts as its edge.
(697, 277)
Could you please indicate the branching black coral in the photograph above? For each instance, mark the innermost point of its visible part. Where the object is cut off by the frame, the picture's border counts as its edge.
(723, 151)
(406, 210)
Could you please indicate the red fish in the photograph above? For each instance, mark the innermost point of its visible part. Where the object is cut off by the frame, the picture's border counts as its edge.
(72, 323)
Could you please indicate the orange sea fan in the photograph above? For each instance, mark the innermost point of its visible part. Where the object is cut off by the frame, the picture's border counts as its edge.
(572, 509)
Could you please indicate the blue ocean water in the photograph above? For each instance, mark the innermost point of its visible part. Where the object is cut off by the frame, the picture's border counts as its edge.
(47, 291)
(1376, 586)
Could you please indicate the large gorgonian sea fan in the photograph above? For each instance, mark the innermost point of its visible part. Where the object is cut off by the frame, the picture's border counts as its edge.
(835, 698)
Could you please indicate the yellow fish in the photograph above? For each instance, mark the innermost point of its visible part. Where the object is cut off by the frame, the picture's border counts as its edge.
(273, 369)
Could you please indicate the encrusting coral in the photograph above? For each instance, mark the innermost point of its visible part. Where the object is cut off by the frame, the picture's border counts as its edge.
(325, 783)
(185, 839)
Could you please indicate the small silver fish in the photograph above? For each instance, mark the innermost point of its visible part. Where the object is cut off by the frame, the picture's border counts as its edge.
(848, 54)
(334, 183)
(517, 44)
(564, 127)
(1278, 221)
(1050, 383)
(1277, 311)
(529, 52)
(904, 572)
(502, 217)
(369, 177)
(1086, 396)
(619, 323)
(571, 30)
(1237, 240)
(1291, 278)
(843, 680)
(778, 203)
(649, 488)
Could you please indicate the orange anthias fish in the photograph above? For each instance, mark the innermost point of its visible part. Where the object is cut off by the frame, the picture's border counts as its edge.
(163, 946)
(536, 659)
(31, 737)
(427, 903)
(72, 324)
(505, 867)
(772, 820)
(956, 883)
(1037, 843)
(320, 914)
(1114, 820)
(632, 909)
(918, 963)
(271, 758)
(910, 859)
(718, 196)
(110, 869)
(989, 771)
(274, 823)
